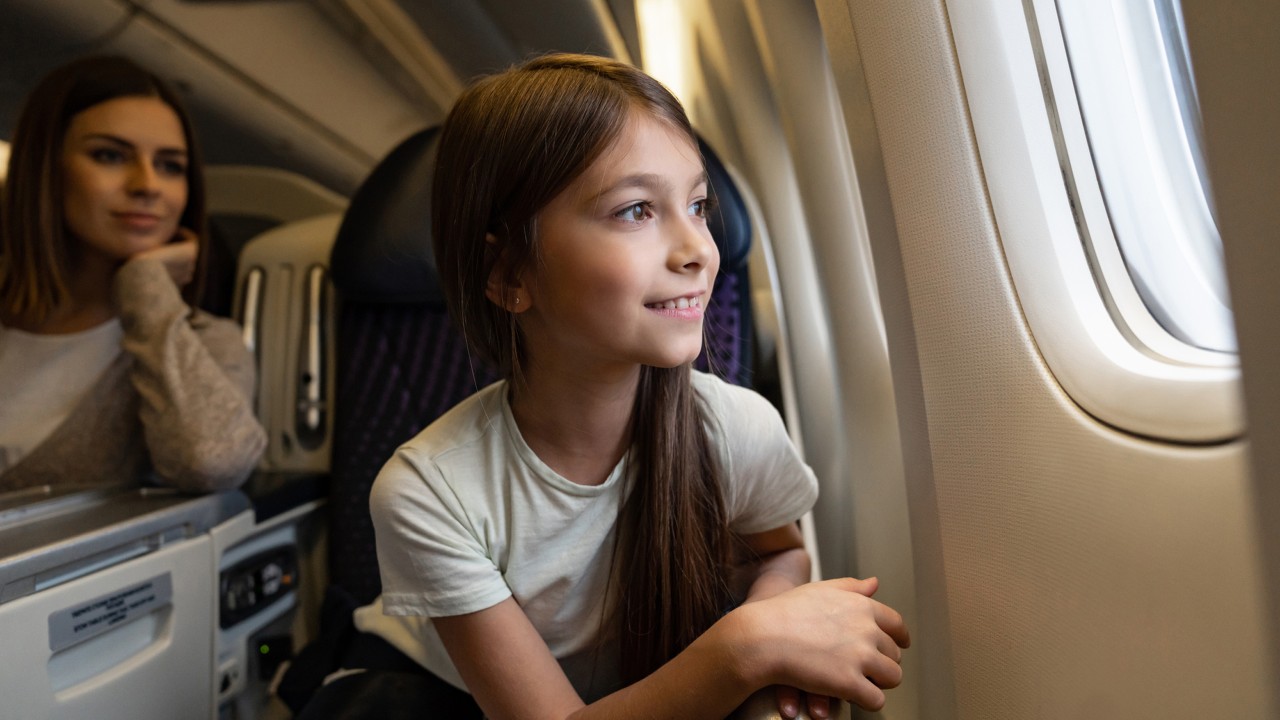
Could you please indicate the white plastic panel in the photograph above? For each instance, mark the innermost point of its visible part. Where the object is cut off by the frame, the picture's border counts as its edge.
(238, 689)
(275, 44)
(272, 193)
(154, 661)
(286, 301)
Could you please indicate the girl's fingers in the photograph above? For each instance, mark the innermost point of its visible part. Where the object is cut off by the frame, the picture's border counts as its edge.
(866, 695)
(819, 706)
(886, 617)
(888, 647)
(892, 623)
(788, 701)
(865, 587)
(883, 672)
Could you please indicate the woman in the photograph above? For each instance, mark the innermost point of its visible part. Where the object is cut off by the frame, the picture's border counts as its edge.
(106, 370)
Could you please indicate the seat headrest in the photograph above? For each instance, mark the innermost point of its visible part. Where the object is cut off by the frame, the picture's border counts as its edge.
(383, 252)
(729, 221)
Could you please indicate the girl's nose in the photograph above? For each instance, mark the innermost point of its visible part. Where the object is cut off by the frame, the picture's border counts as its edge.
(693, 249)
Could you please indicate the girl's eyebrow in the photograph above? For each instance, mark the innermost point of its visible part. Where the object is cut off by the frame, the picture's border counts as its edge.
(652, 182)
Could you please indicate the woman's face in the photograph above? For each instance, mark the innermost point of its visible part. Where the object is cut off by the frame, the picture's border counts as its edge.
(124, 165)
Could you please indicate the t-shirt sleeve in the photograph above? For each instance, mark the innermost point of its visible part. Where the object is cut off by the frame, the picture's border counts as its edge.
(432, 558)
(767, 485)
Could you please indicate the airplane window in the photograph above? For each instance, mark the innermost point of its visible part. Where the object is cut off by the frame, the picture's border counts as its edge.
(1084, 113)
(1133, 81)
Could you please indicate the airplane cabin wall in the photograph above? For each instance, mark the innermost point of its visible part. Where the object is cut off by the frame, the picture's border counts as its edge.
(737, 111)
(1237, 62)
(1073, 570)
(759, 87)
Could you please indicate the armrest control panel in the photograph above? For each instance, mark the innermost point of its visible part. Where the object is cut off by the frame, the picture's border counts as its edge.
(256, 583)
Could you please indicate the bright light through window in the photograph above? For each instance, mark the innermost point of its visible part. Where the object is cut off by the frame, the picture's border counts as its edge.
(4, 160)
(665, 44)
(1133, 79)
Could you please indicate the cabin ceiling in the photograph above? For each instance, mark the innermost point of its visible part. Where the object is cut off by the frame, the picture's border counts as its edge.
(321, 87)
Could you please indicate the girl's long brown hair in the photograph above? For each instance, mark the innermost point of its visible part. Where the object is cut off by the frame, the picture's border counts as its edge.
(511, 144)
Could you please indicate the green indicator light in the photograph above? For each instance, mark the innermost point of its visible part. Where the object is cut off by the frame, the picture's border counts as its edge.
(264, 649)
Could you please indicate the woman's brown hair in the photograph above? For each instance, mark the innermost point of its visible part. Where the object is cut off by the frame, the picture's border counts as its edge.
(35, 251)
(511, 144)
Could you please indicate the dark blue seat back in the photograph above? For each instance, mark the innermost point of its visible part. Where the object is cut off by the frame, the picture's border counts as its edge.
(728, 350)
(401, 363)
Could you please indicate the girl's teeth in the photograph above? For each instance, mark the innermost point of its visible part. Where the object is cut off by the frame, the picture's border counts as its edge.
(680, 303)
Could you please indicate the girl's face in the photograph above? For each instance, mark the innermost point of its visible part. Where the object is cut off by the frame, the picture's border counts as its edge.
(124, 165)
(626, 261)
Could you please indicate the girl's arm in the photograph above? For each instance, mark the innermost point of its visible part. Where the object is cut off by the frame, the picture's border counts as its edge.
(195, 381)
(828, 638)
(782, 563)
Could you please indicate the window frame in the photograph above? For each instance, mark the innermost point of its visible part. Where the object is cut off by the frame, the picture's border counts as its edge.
(1099, 341)
(1157, 201)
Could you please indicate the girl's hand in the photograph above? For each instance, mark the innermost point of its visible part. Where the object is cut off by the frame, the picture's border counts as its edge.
(830, 638)
(177, 255)
(789, 703)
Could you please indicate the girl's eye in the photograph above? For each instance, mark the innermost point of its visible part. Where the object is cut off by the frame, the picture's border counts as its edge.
(107, 156)
(636, 213)
(699, 208)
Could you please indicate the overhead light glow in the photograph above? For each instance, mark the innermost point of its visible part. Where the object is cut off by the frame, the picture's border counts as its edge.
(665, 44)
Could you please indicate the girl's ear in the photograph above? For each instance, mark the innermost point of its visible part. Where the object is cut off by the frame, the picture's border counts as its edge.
(510, 296)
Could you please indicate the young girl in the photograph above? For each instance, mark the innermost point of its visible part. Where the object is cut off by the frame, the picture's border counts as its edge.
(105, 370)
(570, 535)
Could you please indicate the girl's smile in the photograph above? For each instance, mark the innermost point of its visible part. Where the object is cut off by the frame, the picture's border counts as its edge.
(683, 308)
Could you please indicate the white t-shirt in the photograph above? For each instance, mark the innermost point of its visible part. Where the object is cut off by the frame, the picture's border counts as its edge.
(42, 377)
(466, 515)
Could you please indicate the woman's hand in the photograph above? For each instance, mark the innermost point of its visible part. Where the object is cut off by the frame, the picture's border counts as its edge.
(830, 639)
(178, 256)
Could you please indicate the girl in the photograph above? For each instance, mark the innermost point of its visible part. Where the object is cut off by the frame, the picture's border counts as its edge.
(105, 370)
(569, 534)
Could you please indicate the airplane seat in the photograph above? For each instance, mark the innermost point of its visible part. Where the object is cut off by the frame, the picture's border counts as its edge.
(227, 237)
(729, 326)
(285, 304)
(401, 362)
